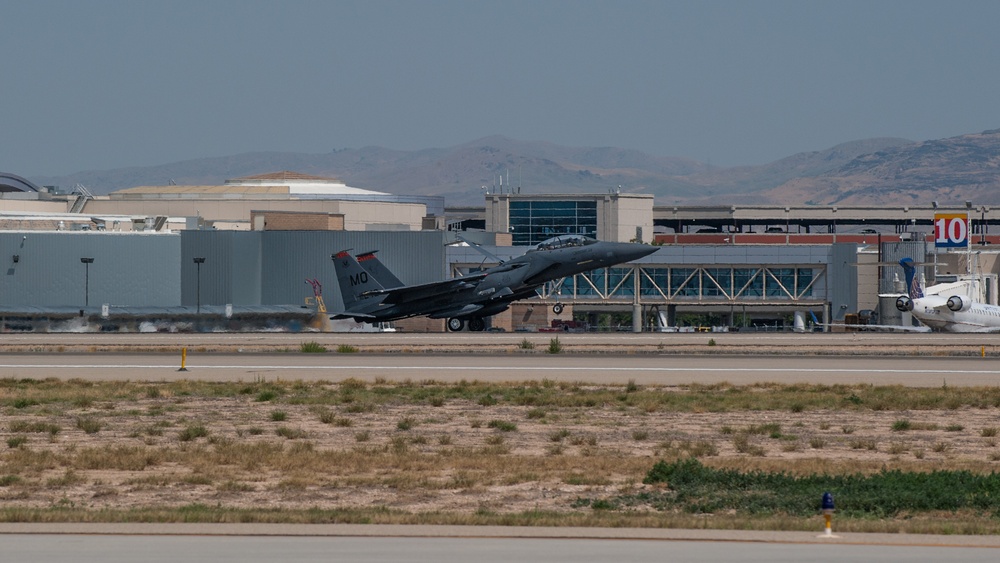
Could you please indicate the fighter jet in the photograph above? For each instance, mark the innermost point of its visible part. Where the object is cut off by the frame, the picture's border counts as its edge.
(473, 298)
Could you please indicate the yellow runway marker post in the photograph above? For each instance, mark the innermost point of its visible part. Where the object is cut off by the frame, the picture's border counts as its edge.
(827, 507)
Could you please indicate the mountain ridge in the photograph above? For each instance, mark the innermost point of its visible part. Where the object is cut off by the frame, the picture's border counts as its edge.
(877, 171)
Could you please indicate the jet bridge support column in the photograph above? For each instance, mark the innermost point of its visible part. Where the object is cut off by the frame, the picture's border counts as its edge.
(636, 317)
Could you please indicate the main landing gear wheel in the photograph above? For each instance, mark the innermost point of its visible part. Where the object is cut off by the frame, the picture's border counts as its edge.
(455, 324)
(557, 308)
(477, 324)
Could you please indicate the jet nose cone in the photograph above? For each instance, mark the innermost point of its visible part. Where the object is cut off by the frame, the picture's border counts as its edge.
(629, 251)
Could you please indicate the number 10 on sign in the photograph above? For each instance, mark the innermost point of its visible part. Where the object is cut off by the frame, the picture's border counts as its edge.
(951, 230)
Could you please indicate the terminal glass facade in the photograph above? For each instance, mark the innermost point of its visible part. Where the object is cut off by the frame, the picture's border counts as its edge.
(692, 284)
(533, 221)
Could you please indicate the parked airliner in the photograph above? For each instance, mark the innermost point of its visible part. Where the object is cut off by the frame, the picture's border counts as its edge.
(937, 310)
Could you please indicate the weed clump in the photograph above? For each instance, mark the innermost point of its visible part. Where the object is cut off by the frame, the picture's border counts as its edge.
(16, 441)
(192, 432)
(503, 425)
(312, 347)
(88, 425)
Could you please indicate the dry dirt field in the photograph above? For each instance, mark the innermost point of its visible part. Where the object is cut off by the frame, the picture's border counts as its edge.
(435, 448)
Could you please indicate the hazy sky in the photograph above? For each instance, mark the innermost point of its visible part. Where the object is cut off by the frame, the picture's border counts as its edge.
(92, 85)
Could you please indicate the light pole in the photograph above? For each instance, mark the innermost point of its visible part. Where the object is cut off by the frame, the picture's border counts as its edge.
(983, 229)
(86, 280)
(198, 262)
(968, 237)
(788, 225)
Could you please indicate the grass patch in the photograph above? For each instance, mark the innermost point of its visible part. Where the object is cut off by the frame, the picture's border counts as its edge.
(16, 441)
(266, 396)
(559, 435)
(503, 425)
(555, 347)
(347, 349)
(193, 432)
(88, 424)
(279, 416)
(8, 480)
(312, 347)
(22, 403)
(291, 433)
(697, 489)
(37, 427)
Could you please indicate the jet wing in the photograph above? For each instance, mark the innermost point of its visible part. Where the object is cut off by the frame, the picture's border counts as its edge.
(879, 328)
(893, 328)
(419, 292)
(542, 275)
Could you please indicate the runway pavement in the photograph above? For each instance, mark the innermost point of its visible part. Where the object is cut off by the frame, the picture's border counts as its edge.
(604, 369)
(858, 340)
(47, 543)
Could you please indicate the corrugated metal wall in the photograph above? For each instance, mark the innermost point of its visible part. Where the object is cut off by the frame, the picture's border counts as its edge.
(128, 270)
(844, 280)
(271, 267)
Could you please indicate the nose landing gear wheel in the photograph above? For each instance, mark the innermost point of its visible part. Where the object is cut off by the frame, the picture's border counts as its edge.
(477, 325)
(455, 324)
(557, 308)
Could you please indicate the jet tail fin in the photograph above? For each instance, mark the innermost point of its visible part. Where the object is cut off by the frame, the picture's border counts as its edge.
(376, 268)
(354, 280)
(912, 281)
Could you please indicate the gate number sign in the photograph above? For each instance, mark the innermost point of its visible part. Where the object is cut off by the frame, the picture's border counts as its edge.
(951, 230)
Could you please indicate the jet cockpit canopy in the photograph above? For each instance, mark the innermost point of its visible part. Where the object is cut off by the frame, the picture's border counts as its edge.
(564, 241)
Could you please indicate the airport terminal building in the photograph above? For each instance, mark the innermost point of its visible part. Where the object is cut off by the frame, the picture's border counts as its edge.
(254, 242)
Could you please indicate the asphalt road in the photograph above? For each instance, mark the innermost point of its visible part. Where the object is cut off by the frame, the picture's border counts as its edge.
(45, 548)
(607, 369)
(860, 340)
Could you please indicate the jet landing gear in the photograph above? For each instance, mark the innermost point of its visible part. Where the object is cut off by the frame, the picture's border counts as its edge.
(557, 308)
(476, 324)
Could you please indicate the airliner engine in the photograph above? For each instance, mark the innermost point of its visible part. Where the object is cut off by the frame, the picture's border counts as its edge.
(904, 304)
(956, 303)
